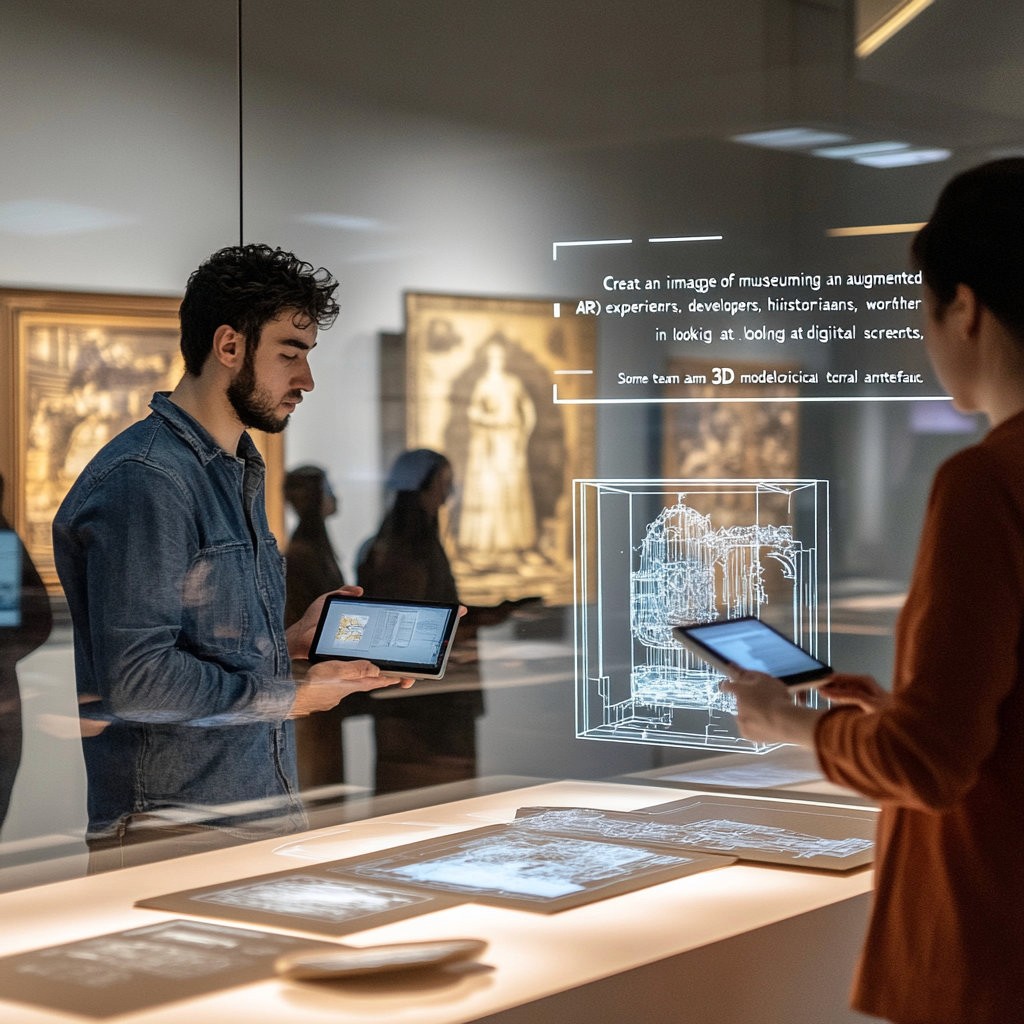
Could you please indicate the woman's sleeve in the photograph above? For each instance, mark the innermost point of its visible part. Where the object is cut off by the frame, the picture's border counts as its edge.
(958, 648)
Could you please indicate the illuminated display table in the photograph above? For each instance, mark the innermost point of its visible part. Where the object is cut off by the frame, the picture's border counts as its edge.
(741, 943)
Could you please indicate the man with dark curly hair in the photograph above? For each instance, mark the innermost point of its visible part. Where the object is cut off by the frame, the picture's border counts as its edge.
(175, 582)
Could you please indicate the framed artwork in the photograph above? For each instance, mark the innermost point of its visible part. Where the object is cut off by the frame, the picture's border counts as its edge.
(480, 376)
(308, 899)
(795, 833)
(747, 440)
(517, 865)
(801, 834)
(137, 970)
(77, 369)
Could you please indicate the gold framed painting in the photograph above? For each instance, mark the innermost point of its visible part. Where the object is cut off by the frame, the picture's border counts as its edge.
(77, 369)
(741, 439)
(480, 376)
(745, 439)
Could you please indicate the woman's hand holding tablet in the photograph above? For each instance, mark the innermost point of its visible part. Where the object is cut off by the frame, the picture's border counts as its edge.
(748, 643)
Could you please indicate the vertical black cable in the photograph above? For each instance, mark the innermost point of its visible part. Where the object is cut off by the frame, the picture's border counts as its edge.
(241, 161)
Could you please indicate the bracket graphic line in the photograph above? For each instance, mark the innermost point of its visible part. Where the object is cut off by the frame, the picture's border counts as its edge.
(755, 400)
(602, 241)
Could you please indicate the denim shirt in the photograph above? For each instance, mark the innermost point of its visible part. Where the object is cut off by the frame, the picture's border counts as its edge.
(176, 591)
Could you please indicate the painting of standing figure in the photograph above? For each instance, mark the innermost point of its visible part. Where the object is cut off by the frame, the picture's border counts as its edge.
(497, 518)
(480, 382)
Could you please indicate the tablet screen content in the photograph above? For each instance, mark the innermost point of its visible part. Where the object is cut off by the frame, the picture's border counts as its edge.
(752, 644)
(400, 636)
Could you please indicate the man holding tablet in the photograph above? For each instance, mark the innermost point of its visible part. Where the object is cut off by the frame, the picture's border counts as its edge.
(175, 582)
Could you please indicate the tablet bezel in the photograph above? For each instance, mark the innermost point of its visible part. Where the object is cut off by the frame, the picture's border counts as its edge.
(399, 669)
(796, 681)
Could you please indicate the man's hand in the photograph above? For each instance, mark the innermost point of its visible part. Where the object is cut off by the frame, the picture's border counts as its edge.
(328, 683)
(300, 634)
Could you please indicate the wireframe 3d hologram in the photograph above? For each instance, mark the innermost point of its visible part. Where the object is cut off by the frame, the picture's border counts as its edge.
(651, 554)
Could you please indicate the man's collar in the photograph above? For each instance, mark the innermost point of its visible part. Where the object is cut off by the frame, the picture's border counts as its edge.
(196, 436)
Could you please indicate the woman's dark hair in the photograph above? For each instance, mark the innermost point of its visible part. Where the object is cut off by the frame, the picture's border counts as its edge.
(414, 470)
(407, 521)
(304, 490)
(245, 287)
(976, 237)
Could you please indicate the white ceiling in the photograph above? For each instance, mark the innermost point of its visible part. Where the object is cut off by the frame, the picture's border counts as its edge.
(598, 72)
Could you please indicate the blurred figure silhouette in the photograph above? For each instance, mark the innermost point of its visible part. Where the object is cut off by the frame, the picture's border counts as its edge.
(312, 564)
(25, 623)
(312, 569)
(426, 738)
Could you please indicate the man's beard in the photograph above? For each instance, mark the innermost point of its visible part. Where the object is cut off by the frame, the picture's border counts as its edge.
(252, 404)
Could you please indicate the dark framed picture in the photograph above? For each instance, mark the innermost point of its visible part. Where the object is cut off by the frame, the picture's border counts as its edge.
(78, 368)
(480, 388)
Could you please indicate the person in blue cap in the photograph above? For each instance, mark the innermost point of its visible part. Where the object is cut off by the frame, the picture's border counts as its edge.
(25, 623)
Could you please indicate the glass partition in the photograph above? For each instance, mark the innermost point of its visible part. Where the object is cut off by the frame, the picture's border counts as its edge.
(120, 163)
(638, 273)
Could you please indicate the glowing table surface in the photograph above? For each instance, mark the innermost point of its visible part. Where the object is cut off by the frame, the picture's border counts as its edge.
(534, 962)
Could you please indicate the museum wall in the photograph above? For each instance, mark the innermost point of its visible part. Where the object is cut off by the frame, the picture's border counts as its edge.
(442, 149)
(120, 156)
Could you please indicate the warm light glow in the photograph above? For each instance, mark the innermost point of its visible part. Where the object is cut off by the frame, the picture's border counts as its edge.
(846, 232)
(875, 229)
(885, 29)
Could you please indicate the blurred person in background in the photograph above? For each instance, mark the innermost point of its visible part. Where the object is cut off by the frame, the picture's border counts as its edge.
(25, 623)
(312, 569)
(429, 738)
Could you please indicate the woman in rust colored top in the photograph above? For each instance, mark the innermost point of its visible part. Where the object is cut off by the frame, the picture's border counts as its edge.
(944, 752)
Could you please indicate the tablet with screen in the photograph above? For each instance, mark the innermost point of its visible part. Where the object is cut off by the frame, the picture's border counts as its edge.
(749, 643)
(409, 639)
